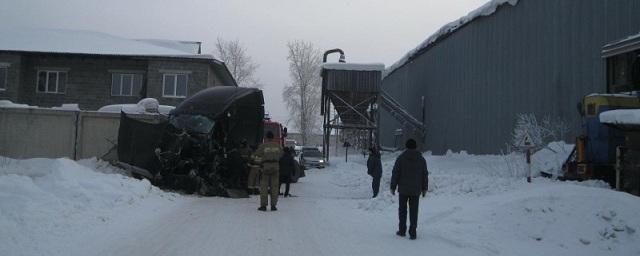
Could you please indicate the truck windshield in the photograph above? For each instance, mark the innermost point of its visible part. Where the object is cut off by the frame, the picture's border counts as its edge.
(273, 129)
(192, 123)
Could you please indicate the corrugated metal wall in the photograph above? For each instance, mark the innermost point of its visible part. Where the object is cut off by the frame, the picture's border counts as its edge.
(540, 56)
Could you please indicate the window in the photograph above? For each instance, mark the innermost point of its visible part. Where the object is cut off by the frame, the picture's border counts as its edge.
(174, 85)
(3, 78)
(123, 84)
(52, 81)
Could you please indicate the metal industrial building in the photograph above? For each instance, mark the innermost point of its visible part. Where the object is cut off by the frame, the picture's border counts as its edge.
(529, 56)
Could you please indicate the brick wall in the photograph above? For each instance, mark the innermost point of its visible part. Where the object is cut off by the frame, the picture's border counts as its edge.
(197, 72)
(89, 78)
(13, 64)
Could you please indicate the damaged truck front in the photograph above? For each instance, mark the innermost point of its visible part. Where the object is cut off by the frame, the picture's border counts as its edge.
(195, 150)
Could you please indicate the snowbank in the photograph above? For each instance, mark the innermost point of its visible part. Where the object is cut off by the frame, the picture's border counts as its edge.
(480, 205)
(69, 107)
(476, 205)
(485, 10)
(144, 106)
(621, 116)
(47, 204)
(9, 104)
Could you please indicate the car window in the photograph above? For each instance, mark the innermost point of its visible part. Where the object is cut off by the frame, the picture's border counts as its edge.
(312, 153)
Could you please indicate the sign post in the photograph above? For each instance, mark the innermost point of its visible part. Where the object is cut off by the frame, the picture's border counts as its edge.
(346, 146)
(527, 146)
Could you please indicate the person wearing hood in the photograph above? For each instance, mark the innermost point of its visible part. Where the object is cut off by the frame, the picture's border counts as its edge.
(287, 169)
(411, 178)
(374, 169)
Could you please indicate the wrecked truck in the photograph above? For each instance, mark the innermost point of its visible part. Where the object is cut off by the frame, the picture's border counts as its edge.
(194, 150)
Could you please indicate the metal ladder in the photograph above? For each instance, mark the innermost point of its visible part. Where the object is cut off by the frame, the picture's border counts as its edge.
(399, 113)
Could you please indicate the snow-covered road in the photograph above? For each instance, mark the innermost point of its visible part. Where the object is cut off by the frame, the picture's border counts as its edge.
(476, 205)
(323, 219)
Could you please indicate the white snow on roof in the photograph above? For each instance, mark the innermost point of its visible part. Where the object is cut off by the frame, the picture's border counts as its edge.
(81, 42)
(621, 116)
(631, 94)
(354, 66)
(484, 10)
(185, 46)
(629, 38)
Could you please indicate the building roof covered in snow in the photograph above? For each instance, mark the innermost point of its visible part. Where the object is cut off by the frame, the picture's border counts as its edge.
(185, 46)
(627, 44)
(88, 42)
(484, 10)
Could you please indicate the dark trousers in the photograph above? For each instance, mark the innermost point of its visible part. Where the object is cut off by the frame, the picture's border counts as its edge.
(413, 202)
(375, 185)
(287, 181)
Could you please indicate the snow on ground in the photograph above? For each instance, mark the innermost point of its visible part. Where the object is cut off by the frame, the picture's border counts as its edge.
(47, 205)
(475, 205)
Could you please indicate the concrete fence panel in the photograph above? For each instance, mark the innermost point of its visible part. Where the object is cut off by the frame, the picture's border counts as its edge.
(30, 133)
(48, 133)
(97, 133)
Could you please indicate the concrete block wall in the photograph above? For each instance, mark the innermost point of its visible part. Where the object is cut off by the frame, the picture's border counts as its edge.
(88, 80)
(13, 62)
(197, 73)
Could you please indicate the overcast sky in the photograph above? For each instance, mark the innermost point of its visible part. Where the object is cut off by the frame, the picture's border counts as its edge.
(367, 30)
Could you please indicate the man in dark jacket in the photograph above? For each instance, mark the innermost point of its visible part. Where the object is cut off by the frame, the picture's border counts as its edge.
(374, 169)
(287, 169)
(411, 177)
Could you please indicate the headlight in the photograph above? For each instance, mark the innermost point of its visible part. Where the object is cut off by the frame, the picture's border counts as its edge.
(320, 161)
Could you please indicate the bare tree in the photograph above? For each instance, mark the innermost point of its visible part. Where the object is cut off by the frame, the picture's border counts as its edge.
(302, 95)
(242, 68)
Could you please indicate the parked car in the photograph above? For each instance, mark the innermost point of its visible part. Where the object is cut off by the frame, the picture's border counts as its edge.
(311, 157)
(290, 144)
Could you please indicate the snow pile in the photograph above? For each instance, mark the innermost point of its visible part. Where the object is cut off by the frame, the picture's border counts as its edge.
(485, 10)
(69, 107)
(621, 116)
(550, 158)
(9, 104)
(144, 106)
(477, 204)
(47, 204)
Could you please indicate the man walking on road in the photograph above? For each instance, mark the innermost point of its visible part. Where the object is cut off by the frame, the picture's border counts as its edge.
(269, 154)
(374, 169)
(411, 177)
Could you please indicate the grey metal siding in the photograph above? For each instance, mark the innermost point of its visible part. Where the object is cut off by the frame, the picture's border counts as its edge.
(349, 80)
(540, 56)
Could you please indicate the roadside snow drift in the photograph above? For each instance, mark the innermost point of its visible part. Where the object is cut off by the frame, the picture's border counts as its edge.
(47, 204)
(476, 205)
